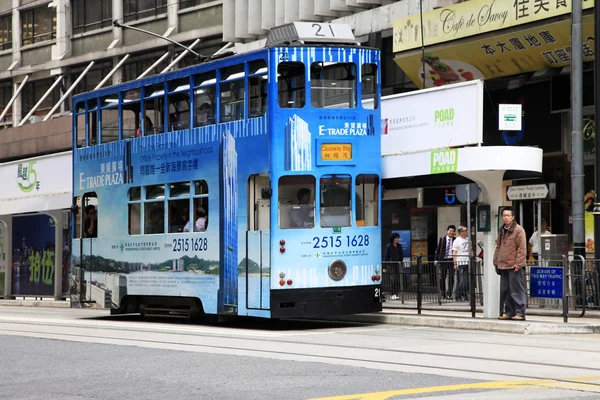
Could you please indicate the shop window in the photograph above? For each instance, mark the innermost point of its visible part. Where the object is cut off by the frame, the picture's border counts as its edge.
(135, 210)
(296, 202)
(205, 99)
(333, 85)
(336, 199)
(154, 209)
(369, 86)
(232, 93)
(154, 109)
(179, 206)
(200, 212)
(367, 200)
(291, 85)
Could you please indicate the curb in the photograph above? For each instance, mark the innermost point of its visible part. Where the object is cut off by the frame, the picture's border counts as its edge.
(36, 303)
(475, 324)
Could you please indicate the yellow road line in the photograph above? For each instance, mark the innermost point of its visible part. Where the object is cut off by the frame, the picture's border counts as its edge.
(524, 384)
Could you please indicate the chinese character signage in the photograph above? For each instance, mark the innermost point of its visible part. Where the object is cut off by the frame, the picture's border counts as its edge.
(546, 282)
(527, 50)
(336, 151)
(475, 17)
(509, 116)
(444, 161)
(33, 255)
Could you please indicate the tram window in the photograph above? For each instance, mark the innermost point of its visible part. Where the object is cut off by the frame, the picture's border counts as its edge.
(205, 99)
(77, 218)
(179, 104)
(232, 99)
(200, 211)
(367, 197)
(155, 192)
(154, 102)
(90, 215)
(291, 85)
(369, 86)
(130, 118)
(257, 67)
(154, 217)
(80, 130)
(333, 85)
(257, 103)
(296, 202)
(93, 128)
(336, 200)
(135, 210)
(110, 119)
(131, 95)
(179, 206)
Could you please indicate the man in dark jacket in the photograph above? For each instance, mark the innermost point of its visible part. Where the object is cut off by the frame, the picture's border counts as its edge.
(509, 260)
(392, 264)
(443, 258)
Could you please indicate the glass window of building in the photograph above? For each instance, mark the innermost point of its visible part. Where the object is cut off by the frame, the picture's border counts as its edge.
(5, 95)
(33, 92)
(296, 202)
(336, 200)
(139, 9)
(89, 15)
(38, 25)
(6, 32)
(191, 3)
(333, 85)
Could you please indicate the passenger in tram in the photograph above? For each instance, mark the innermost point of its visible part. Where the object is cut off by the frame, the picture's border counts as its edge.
(148, 128)
(300, 217)
(205, 115)
(176, 221)
(200, 225)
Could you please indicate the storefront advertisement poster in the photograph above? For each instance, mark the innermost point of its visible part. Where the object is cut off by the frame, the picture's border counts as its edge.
(33, 252)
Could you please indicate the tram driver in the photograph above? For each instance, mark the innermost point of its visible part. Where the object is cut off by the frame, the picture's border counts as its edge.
(303, 216)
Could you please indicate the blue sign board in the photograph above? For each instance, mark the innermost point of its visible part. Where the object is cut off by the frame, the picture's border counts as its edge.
(546, 282)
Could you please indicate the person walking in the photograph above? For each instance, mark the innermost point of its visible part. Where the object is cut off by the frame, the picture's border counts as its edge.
(460, 253)
(509, 261)
(392, 261)
(443, 257)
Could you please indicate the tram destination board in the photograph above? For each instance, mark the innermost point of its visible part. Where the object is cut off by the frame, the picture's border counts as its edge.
(336, 151)
(546, 282)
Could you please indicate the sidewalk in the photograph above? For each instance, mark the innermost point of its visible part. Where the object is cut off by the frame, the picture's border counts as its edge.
(458, 316)
(446, 316)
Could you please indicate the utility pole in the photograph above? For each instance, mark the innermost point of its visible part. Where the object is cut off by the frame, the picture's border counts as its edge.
(577, 182)
(596, 119)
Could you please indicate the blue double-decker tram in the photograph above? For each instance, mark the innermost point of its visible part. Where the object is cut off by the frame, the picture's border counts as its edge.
(245, 185)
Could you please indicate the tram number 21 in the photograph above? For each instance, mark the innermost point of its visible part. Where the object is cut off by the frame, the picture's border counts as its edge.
(197, 244)
(338, 241)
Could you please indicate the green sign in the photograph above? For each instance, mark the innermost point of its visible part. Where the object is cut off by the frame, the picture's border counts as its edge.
(27, 177)
(444, 161)
(337, 229)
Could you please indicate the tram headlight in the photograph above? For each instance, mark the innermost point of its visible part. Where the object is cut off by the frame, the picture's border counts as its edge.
(337, 270)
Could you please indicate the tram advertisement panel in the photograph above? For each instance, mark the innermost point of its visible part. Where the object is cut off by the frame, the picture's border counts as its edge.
(33, 255)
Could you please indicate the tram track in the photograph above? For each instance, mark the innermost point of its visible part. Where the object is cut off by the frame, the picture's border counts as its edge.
(13, 328)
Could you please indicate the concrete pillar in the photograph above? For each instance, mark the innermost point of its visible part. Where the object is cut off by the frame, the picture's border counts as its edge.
(58, 251)
(490, 183)
(172, 17)
(62, 49)
(117, 12)
(6, 221)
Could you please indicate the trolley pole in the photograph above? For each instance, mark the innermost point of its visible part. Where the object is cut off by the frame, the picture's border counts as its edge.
(597, 147)
(577, 182)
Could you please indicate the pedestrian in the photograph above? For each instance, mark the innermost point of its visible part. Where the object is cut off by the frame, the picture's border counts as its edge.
(460, 255)
(392, 261)
(534, 241)
(443, 258)
(509, 261)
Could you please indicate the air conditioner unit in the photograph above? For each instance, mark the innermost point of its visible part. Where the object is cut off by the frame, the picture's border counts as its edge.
(35, 118)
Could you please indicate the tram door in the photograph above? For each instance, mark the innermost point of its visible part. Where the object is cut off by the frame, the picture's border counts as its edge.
(86, 227)
(258, 239)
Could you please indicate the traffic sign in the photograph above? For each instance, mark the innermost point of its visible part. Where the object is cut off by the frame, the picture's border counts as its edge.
(546, 282)
(531, 192)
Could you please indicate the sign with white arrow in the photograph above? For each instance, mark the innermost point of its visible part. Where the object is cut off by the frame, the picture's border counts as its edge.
(531, 192)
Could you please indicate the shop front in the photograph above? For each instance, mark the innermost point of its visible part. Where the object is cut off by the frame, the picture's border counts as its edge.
(34, 227)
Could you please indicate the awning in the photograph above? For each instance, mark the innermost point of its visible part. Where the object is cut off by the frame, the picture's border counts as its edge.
(36, 184)
(463, 160)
